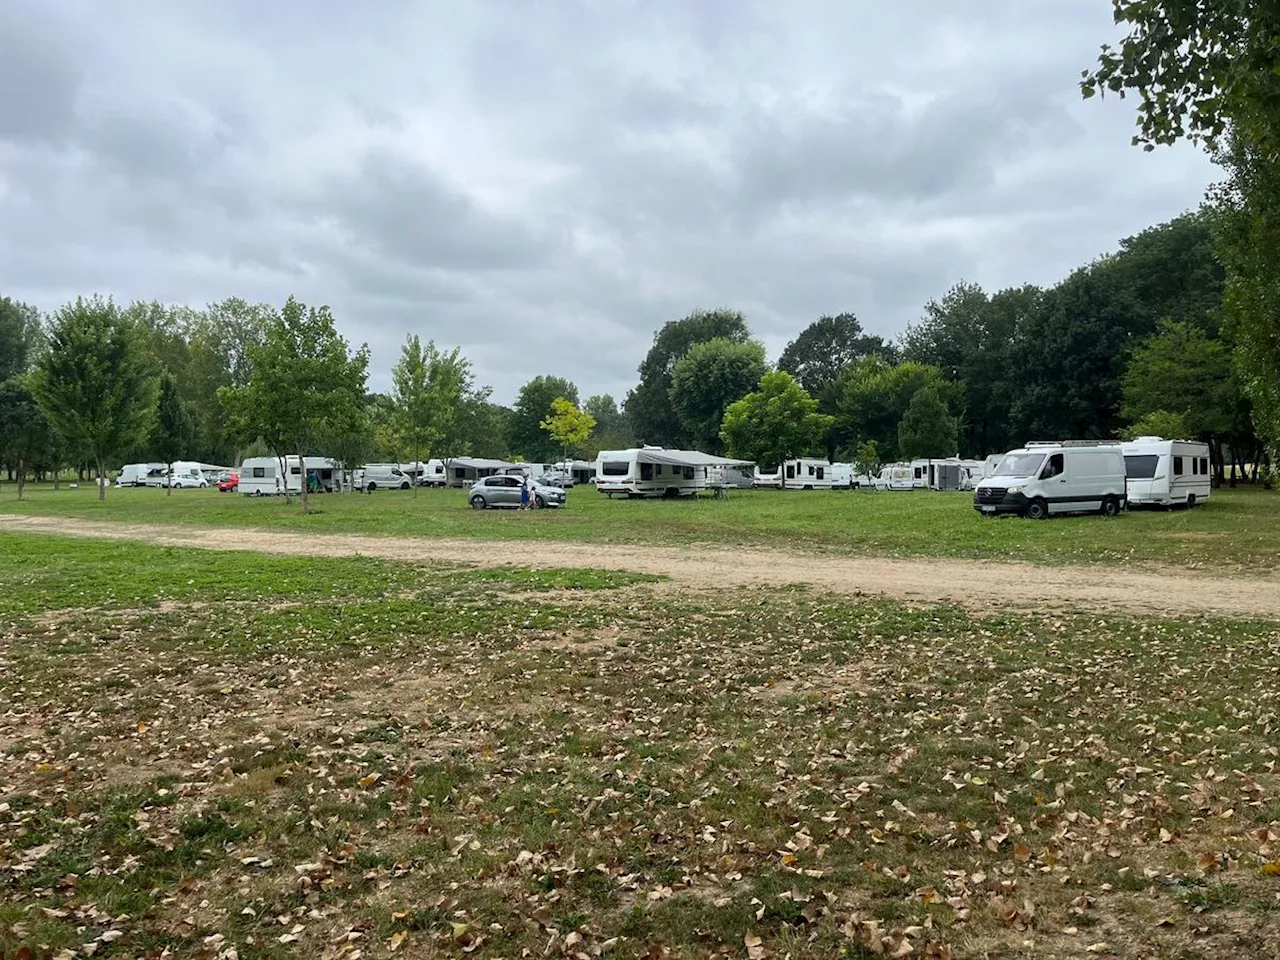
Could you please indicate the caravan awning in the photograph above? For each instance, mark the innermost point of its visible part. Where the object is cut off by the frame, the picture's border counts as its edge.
(479, 463)
(687, 458)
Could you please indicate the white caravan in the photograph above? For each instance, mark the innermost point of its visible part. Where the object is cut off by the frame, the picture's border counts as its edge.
(944, 474)
(656, 472)
(1167, 472)
(845, 476)
(732, 476)
(141, 474)
(803, 473)
(972, 471)
(1063, 477)
(428, 474)
(579, 471)
(261, 476)
(919, 474)
(895, 476)
(464, 471)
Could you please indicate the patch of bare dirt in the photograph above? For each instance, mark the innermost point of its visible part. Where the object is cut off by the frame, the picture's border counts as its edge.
(980, 584)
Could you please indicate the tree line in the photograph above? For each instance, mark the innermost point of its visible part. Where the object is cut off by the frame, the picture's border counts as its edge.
(1132, 343)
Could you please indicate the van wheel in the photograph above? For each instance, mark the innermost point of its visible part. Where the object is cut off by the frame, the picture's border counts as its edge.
(477, 502)
(405, 485)
(1110, 507)
(370, 487)
(1037, 509)
(1191, 501)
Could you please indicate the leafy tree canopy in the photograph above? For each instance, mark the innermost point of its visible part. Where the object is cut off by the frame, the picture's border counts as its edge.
(824, 348)
(525, 433)
(927, 428)
(707, 379)
(776, 422)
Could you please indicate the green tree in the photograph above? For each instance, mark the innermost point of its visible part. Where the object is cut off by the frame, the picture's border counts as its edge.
(1180, 370)
(927, 428)
(427, 391)
(708, 378)
(172, 431)
(95, 381)
(648, 406)
(1158, 423)
(613, 429)
(302, 375)
(824, 348)
(19, 330)
(567, 425)
(219, 338)
(1205, 69)
(776, 422)
(874, 396)
(24, 432)
(866, 458)
(525, 434)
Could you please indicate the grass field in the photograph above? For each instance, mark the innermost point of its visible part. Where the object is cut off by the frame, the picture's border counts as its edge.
(217, 755)
(1237, 529)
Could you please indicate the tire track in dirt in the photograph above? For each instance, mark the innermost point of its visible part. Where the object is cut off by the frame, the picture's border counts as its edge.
(976, 584)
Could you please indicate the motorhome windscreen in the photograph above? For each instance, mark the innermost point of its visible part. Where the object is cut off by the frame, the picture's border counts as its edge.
(1020, 465)
(615, 468)
(1141, 467)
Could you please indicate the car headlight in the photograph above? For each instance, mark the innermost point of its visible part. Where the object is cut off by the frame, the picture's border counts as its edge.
(1014, 490)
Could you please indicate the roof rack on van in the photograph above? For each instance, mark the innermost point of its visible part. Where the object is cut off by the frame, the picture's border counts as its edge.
(1070, 443)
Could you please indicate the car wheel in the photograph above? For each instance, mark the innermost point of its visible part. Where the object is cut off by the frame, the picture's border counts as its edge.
(1037, 509)
(1110, 507)
(541, 503)
(371, 487)
(404, 486)
(478, 502)
(1191, 501)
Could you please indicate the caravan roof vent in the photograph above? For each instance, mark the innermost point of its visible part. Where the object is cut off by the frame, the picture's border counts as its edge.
(1147, 439)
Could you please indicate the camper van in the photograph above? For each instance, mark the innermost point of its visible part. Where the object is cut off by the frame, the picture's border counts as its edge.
(1047, 478)
(380, 476)
(1167, 472)
(895, 476)
(261, 476)
(141, 475)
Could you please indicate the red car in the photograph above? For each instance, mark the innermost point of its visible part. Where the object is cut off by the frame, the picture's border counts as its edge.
(230, 484)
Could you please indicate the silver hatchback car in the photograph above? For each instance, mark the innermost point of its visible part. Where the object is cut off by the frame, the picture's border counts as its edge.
(504, 491)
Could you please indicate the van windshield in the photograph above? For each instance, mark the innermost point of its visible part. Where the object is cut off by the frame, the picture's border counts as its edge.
(1020, 465)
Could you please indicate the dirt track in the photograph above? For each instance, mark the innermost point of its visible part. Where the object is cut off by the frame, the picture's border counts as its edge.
(972, 583)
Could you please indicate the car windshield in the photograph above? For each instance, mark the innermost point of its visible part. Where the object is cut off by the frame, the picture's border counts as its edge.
(1020, 465)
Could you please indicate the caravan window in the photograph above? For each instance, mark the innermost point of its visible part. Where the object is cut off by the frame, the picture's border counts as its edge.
(791, 471)
(688, 473)
(646, 471)
(295, 471)
(616, 468)
(460, 473)
(1141, 467)
(1177, 466)
(821, 472)
(259, 471)
(1204, 466)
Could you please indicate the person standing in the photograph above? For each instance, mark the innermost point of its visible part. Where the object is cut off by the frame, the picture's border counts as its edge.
(524, 494)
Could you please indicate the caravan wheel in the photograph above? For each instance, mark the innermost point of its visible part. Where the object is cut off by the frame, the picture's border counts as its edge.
(1191, 501)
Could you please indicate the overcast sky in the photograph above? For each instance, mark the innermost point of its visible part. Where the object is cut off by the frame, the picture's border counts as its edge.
(547, 183)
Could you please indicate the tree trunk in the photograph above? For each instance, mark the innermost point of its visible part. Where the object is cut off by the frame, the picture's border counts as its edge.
(168, 487)
(102, 491)
(21, 471)
(302, 476)
(57, 482)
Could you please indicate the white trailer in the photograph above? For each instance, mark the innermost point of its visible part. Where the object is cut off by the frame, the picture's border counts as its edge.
(657, 472)
(732, 476)
(579, 471)
(430, 473)
(464, 471)
(270, 476)
(802, 473)
(1167, 472)
(945, 474)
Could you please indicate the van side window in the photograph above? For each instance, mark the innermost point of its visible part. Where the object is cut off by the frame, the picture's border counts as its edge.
(1177, 466)
(791, 471)
(1204, 466)
(1053, 467)
(821, 471)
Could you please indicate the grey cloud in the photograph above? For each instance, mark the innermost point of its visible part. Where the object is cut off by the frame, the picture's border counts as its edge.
(546, 188)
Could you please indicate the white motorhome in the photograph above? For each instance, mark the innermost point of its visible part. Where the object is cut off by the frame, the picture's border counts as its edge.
(263, 476)
(186, 473)
(141, 475)
(656, 472)
(425, 474)
(895, 476)
(1167, 472)
(919, 474)
(1040, 479)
